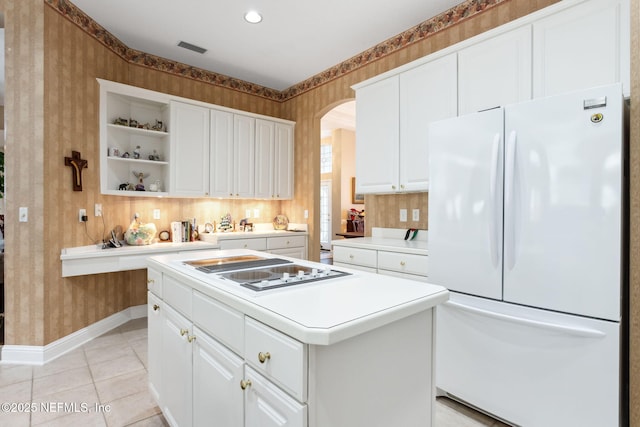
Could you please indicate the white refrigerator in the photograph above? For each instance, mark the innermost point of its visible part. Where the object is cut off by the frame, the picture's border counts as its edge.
(526, 228)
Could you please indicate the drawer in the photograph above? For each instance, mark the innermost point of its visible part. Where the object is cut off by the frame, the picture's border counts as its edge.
(259, 244)
(285, 242)
(277, 356)
(177, 295)
(219, 320)
(154, 282)
(403, 263)
(363, 257)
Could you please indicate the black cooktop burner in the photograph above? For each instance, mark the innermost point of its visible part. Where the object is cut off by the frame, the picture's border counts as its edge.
(219, 267)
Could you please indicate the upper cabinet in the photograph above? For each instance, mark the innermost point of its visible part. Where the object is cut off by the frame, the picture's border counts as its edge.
(495, 72)
(189, 150)
(582, 46)
(154, 144)
(570, 45)
(391, 126)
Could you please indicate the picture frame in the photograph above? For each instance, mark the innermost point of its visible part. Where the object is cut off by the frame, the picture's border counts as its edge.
(356, 198)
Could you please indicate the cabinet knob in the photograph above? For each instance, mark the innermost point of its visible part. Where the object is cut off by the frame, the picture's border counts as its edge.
(263, 357)
(183, 332)
(191, 338)
(288, 242)
(393, 187)
(244, 384)
(156, 307)
(231, 194)
(151, 281)
(402, 186)
(402, 263)
(351, 256)
(245, 245)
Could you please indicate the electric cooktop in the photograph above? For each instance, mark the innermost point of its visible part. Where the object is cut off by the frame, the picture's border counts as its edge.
(259, 274)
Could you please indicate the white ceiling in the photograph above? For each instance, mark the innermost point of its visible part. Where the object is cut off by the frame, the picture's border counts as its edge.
(297, 39)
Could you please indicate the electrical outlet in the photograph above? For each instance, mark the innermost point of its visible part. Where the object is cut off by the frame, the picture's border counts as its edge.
(256, 213)
(82, 215)
(156, 214)
(97, 209)
(415, 214)
(306, 214)
(23, 214)
(247, 213)
(403, 215)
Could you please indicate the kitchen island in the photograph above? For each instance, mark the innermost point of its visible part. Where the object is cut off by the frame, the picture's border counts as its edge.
(350, 349)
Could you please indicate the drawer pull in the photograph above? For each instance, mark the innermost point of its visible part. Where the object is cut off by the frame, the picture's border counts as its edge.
(351, 256)
(402, 263)
(156, 307)
(183, 332)
(151, 281)
(288, 242)
(263, 357)
(244, 384)
(245, 245)
(191, 338)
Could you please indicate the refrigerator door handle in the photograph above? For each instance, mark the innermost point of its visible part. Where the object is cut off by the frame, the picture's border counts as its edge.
(554, 327)
(493, 186)
(509, 204)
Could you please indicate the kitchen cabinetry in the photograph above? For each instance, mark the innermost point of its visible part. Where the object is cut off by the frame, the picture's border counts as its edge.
(580, 47)
(189, 150)
(292, 245)
(385, 252)
(122, 110)
(391, 130)
(211, 150)
(274, 157)
(495, 72)
(203, 379)
(282, 359)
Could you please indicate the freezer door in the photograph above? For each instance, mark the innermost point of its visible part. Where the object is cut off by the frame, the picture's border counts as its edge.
(533, 368)
(465, 203)
(563, 198)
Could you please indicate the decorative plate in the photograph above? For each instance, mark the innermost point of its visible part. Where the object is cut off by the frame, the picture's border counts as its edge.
(164, 235)
(280, 222)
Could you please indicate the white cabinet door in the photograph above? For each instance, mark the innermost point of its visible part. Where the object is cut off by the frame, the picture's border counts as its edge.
(265, 148)
(496, 72)
(189, 150)
(177, 369)
(244, 156)
(268, 406)
(377, 137)
(283, 162)
(154, 343)
(217, 373)
(221, 154)
(584, 46)
(427, 93)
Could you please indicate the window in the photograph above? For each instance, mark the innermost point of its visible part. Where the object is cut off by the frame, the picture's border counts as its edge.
(325, 158)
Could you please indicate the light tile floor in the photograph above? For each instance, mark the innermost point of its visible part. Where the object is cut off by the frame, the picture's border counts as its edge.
(104, 383)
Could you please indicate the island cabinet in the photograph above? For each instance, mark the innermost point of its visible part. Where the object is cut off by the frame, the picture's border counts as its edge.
(391, 130)
(219, 356)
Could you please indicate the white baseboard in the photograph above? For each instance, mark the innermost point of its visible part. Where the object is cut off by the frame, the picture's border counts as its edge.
(39, 355)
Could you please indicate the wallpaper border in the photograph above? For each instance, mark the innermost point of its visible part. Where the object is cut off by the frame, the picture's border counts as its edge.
(453, 16)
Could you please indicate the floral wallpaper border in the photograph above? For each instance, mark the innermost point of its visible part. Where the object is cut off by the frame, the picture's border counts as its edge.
(421, 31)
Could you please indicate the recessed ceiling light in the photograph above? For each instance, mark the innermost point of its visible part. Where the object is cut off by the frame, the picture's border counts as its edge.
(252, 17)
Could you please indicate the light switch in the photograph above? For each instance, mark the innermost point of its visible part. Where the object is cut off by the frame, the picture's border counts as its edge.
(23, 214)
(415, 215)
(403, 215)
(247, 213)
(156, 214)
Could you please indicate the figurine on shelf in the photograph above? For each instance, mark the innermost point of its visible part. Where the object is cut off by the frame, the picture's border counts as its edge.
(158, 126)
(225, 223)
(140, 176)
(136, 152)
(133, 123)
(121, 122)
(154, 156)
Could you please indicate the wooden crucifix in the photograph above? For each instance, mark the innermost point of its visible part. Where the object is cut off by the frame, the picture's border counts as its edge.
(77, 164)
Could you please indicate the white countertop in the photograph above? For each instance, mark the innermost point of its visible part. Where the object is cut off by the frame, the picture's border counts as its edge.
(84, 260)
(388, 239)
(260, 231)
(322, 312)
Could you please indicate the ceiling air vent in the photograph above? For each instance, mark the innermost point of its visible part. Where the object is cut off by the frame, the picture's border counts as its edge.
(192, 47)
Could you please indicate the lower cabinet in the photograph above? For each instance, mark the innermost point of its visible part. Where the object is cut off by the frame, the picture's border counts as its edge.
(292, 246)
(198, 381)
(390, 263)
